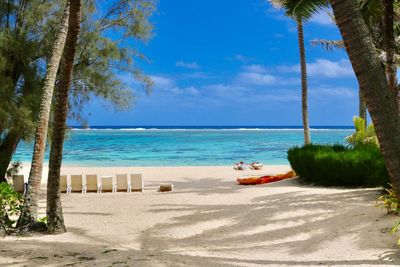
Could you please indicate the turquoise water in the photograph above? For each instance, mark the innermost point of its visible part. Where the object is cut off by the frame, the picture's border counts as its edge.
(183, 146)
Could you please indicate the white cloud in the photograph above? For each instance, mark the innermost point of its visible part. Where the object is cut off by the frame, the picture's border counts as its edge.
(324, 68)
(241, 58)
(164, 85)
(255, 78)
(189, 65)
(191, 90)
(162, 82)
(194, 75)
(255, 68)
(332, 92)
(322, 18)
(237, 93)
(331, 69)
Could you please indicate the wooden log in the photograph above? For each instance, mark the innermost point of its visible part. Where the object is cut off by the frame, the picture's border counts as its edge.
(166, 187)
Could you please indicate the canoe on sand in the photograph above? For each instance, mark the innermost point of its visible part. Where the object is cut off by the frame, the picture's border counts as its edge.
(266, 179)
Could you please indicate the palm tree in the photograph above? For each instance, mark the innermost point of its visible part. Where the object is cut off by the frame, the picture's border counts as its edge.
(338, 44)
(380, 98)
(362, 107)
(304, 89)
(390, 44)
(30, 207)
(303, 70)
(55, 219)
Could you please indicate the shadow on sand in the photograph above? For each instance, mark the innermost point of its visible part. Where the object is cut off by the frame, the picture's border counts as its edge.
(283, 229)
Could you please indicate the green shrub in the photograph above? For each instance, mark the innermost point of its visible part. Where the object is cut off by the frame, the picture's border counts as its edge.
(364, 135)
(389, 201)
(10, 204)
(338, 165)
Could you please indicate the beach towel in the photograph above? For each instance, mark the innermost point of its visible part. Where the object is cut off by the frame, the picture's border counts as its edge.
(266, 179)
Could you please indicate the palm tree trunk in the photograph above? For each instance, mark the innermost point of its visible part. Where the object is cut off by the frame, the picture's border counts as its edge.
(362, 107)
(55, 219)
(375, 89)
(30, 207)
(390, 45)
(303, 67)
(7, 149)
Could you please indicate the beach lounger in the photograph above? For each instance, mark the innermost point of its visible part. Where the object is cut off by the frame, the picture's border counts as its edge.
(135, 183)
(92, 184)
(121, 182)
(77, 183)
(19, 183)
(65, 184)
(107, 184)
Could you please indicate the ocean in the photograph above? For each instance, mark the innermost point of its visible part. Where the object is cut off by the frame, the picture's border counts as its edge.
(183, 146)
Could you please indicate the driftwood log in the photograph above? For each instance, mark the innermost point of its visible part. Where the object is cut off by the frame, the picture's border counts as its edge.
(166, 187)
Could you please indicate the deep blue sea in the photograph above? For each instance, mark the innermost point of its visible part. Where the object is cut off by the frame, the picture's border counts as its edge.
(184, 146)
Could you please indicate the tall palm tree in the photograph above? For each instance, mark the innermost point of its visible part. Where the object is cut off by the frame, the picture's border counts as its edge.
(382, 18)
(380, 98)
(338, 44)
(304, 87)
(303, 70)
(55, 219)
(30, 207)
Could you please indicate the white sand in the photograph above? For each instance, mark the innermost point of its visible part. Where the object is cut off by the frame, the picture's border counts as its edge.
(208, 220)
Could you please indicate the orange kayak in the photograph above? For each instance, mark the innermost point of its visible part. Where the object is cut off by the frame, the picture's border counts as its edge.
(266, 179)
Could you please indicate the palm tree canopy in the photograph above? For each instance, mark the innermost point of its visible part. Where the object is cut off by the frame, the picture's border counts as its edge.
(303, 9)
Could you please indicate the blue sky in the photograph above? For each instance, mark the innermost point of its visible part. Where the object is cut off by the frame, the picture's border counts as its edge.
(235, 63)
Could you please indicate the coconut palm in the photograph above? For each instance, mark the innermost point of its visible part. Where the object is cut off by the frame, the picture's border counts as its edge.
(55, 219)
(385, 32)
(30, 207)
(304, 87)
(390, 43)
(303, 70)
(338, 44)
(380, 98)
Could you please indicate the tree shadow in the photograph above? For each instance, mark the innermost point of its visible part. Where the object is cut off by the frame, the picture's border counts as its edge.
(292, 223)
(288, 224)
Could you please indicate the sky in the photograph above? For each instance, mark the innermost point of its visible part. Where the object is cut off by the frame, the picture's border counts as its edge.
(235, 63)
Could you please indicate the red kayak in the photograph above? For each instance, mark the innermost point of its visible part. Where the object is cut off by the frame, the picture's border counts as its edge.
(266, 179)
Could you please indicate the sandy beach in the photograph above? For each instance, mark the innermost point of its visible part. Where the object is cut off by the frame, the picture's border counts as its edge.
(209, 220)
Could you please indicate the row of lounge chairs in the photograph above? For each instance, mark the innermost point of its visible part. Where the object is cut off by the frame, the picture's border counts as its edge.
(91, 183)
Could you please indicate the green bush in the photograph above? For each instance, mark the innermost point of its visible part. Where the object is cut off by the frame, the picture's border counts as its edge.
(338, 165)
(10, 204)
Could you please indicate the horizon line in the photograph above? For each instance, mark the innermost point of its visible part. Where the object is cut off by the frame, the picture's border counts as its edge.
(138, 126)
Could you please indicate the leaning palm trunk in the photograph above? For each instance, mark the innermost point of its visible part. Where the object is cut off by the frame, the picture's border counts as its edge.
(55, 219)
(30, 207)
(304, 98)
(390, 44)
(380, 98)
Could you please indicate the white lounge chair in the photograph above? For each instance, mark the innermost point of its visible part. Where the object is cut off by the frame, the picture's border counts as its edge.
(121, 182)
(91, 184)
(107, 184)
(65, 184)
(135, 183)
(18, 183)
(77, 184)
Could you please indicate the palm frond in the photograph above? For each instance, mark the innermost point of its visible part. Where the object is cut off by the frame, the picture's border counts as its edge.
(304, 9)
(328, 44)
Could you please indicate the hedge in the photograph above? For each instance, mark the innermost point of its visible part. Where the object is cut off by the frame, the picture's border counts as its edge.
(339, 165)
